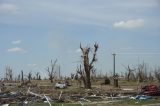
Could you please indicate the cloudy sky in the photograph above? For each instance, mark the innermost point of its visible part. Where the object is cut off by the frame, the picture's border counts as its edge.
(32, 32)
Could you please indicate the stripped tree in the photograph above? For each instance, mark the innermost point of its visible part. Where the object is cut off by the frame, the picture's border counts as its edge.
(9, 73)
(82, 76)
(22, 76)
(151, 77)
(141, 74)
(19, 77)
(129, 75)
(29, 76)
(38, 76)
(88, 64)
(72, 76)
(157, 73)
(51, 71)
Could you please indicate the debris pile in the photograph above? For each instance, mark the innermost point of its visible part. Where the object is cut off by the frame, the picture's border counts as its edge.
(151, 90)
(62, 95)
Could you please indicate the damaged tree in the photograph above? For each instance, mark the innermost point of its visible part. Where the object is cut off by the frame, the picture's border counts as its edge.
(9, 73)
(38, 76)
(157, 74)
(22, 76)
(140, 74)
(51, 72)
(29, 76)
(130, 75)
(82, 76)
(88, 64)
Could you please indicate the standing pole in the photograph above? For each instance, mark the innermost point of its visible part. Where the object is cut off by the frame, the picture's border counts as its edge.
(59, 72)
(114, 64)
(114, 79)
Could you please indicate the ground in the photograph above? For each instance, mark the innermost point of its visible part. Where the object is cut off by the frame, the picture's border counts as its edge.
(45, 87)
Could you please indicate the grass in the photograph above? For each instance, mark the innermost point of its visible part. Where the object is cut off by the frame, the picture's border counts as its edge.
(126, 102)
(46, 104)
(132, 102)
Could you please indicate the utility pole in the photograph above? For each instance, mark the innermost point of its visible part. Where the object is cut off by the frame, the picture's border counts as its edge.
(114, 64)
(115, 80)
(59, 72)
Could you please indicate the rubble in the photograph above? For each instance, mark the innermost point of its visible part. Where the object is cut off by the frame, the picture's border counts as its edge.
(34, 94)
(141, 97)
(59, 85)
(151, 90)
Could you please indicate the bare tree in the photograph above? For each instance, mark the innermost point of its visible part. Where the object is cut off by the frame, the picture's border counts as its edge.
(141, 74)
(9, 73)
(38, 76)
(22, 76)
(51, 71)
(88, 64)
(157, 74)
(72, 76)
(29, 76)
(19, 77)
(129, 74)
(82, 76)
(151, 77)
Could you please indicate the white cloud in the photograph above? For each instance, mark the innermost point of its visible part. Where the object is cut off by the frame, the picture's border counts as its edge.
(16, 49)
(16, 42)
(129, 24)
(8, 7)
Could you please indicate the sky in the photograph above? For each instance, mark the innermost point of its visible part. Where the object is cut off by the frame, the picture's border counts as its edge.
(32, 32)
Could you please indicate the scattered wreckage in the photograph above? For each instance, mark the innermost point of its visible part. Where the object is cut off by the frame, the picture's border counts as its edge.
(88, 96)
(150, 90)
(59, 85)
(62, 85)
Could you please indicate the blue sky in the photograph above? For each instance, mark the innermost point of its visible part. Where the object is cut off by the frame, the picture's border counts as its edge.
(33, 32)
